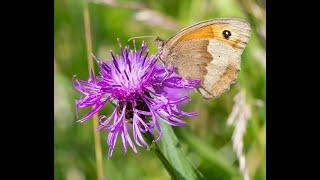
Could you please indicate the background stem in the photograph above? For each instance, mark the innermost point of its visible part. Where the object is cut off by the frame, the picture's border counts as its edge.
(97, 139)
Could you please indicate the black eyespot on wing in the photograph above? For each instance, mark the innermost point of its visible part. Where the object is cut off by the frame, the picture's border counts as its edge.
(226, 34)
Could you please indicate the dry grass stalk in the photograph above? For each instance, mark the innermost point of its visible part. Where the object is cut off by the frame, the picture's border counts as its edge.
(239, 117)
(97, 139)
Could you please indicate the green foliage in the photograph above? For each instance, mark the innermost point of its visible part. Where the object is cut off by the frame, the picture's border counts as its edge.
(171, 149)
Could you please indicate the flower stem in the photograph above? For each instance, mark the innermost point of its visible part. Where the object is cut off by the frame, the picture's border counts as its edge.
(172, 156)
(97, 140)
(162, 158)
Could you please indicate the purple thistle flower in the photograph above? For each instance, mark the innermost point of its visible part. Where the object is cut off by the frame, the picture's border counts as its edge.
(144, 93)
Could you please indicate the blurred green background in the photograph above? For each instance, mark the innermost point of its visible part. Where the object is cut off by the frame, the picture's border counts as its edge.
(207, 139)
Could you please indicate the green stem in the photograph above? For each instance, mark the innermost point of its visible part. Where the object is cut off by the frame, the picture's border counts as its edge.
(97, 139)
(155, 148)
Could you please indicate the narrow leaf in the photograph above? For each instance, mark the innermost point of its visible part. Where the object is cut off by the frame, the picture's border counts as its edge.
(174, 158)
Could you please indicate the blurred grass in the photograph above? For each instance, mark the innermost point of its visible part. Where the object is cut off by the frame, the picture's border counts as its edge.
(207, 138)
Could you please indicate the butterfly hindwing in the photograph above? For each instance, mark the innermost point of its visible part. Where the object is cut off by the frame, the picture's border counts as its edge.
(209, 51)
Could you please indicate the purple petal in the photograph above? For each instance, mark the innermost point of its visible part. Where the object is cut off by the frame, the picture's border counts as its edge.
(94, 110)
(129, 139)
(112, 139)
(118, 121)
(137, 133)
(106, 122)
(124, 141)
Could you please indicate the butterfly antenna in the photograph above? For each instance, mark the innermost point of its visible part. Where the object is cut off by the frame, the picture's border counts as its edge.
(166, 73)
(140, 37)
(134, 45)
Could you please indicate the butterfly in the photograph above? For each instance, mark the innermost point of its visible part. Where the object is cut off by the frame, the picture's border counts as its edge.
(209, 51)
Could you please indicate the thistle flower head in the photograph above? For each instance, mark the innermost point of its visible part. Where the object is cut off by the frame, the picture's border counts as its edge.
(143, 91)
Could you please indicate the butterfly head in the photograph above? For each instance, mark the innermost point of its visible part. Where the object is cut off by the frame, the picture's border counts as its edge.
(160, 43)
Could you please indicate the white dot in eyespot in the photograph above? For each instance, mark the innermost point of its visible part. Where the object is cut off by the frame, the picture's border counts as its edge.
(226, 34)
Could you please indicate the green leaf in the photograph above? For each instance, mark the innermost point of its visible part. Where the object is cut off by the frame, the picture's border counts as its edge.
(174, 158)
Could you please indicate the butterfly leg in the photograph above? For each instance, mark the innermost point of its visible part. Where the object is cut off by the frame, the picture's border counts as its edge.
(165, 69)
